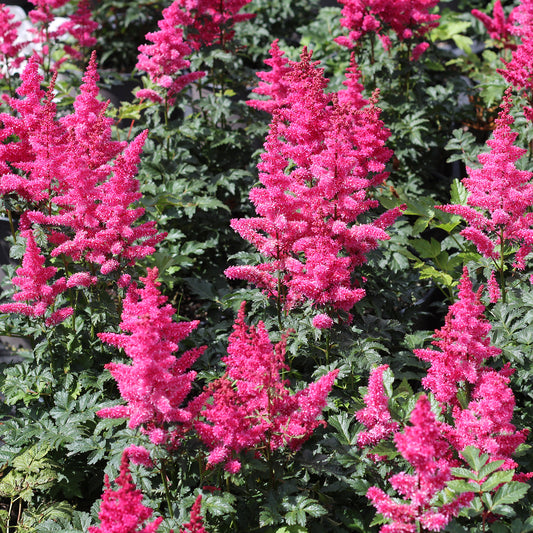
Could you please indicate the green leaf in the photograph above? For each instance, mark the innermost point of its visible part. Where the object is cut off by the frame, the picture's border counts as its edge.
(459, 486)
(496, 479)
(472, 456)
(510, 493)
(342, 423)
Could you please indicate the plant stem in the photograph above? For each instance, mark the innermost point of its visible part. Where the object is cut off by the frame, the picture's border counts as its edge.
(167, 491)
(12, 226)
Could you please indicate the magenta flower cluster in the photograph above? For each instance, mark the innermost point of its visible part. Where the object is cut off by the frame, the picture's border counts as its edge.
(499, 221)
(251, 407)
(75, 183)
(477, 404)
(157, 383)
(323, 154)
(187, 25)
(122, 510)
(500, 27)
(421, 444)
(408, 19)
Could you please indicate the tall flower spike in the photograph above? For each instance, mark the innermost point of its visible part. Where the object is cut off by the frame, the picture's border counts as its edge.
(323, 152)
(38, 296)
(499, 27)
(196, 525)
(38, 149)
(519, 72)
(486, 422)
(165, 59)
(81, 26)
(251, 404)
(464, 346)
(10, 56)
(500, 196)
(122, 510)
(274, 83)
(157, 383)
(376, 415)
(423, 446)
(407, 18)
(212, 21)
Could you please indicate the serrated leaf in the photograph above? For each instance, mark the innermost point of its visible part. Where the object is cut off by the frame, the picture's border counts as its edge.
(496, 479)
(458, 193)
(463, 472)
(510, 493)
(472, 456)
(342, 423)
(459, 486)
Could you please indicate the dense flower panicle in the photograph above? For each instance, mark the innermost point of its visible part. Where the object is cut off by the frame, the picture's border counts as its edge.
(493, 288)
(407, 18)
(139, 455)
(212, 21)
(500, 27)
(274, 83)
(35, 291)
(10, 56)
(37, 133)
(165, 59)
(323, 152)
(500, 196)
(196, 525)
(522, 15)
(67, 162)
(157, 383)
(424, 447)
(122, 510)
(486, 422)
(251, 404)
(464, 346)
(42, 17)
(376, 416)
(519, 72)
(322, 321)
(81, 26)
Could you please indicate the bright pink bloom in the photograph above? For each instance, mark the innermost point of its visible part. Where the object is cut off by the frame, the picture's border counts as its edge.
(157, 383)
(500, 196)
(323, 153)
(165, 59)
(486, 422)
(81, 26)
(139, 455)
(67, 162)
(212, 21)
(29, 163)
(459, 368)
(493, 288)
(464, 346)
(519, 72)
(32, 279)
(196, 525)
(10, 56)
(322, 321)
(407, 18)
(122, 510)
(251, 404)
(376, 415)
(523, 16)
(499, 27)
(423, 446)
(274, 83)
(149, 94)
